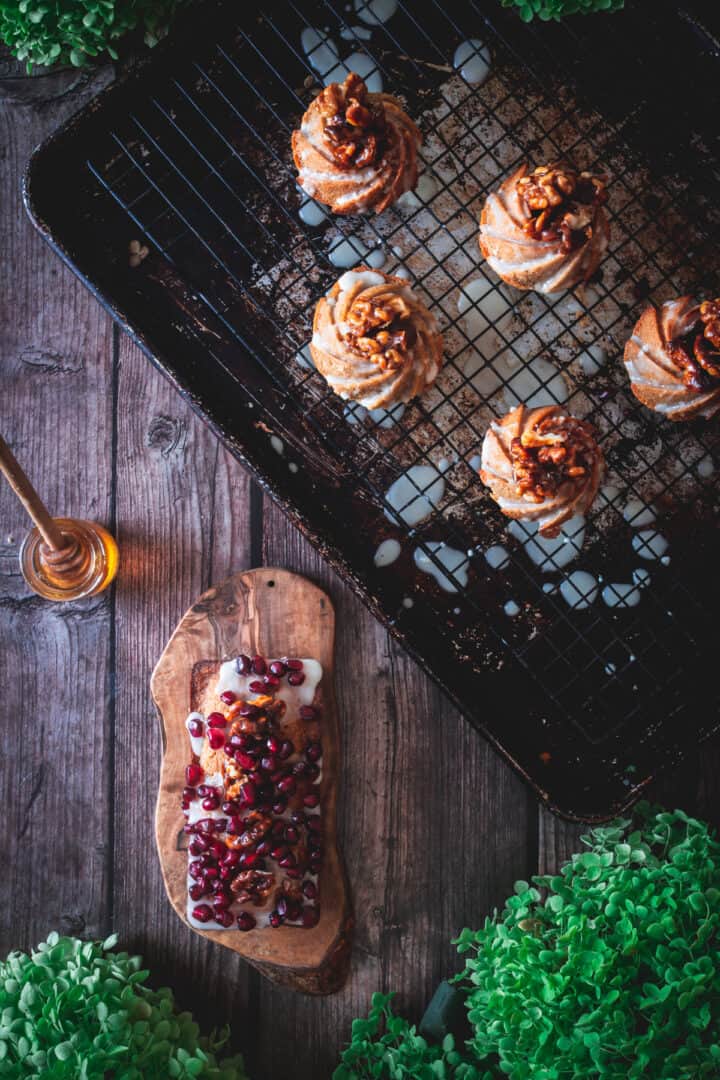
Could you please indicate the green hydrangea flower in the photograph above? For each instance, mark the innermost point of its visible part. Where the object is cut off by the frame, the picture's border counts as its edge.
(76, 1009)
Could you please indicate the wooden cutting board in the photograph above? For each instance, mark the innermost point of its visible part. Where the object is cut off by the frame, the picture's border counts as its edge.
(271, 613)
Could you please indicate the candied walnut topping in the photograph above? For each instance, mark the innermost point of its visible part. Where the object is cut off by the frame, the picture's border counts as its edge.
(382, 330)
(697, 354)
(355, 128)
(556, 449)
(252, 886)
(560, 203)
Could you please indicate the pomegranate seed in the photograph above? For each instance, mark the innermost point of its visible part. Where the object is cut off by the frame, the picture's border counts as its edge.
(250, 859)
(271, 682)
(294, 872)
(310, 890)
(315, 860)
(245, 921)
(210, 873)
(307, 712)
(310, 917)
(216, 719)
(236, 825)
(257, 687)
(288, 860)
(286, 749)
(295, 665)
(296, 678)
(243, 664)
(225, 919)
(203, 913)
(297, 817)
(194, 774)
(273, 744)
(282, 907)
(194, 846)
(258, 665)
(291, 834)
(188, 793)
(299, 768)
(313, 751)
(277, 828)
(287, 786)
(185, 803)
(279, 806)
(245, 761)
(255, 777)
(196, 728)
(311, 800)
(196, 891)
(312, 771)
(195, 870)
(275, 919)
(248, 711)
(248, 793)
(268, 763)
(231, 807)
(228, 697)
(216, 738)
(205, 789)
(279, 852)
(314, 823)
(278, 668)
(264, 847)
(231, 857)
(218, 849)
(221, 901)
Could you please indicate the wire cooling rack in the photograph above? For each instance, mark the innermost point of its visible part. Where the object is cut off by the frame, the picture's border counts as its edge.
(586, 681)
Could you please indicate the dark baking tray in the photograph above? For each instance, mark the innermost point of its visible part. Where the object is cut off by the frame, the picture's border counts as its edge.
(189, 155)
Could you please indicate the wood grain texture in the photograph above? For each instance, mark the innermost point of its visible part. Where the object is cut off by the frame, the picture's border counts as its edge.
(434, 826)
(269, 612)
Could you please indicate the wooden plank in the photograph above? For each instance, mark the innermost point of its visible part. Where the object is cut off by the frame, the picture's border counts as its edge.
(272, 613)
(434, 828)
(183, 512)
(55, 367)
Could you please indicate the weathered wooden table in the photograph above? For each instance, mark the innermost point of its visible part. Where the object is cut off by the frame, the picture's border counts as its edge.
(436, 828)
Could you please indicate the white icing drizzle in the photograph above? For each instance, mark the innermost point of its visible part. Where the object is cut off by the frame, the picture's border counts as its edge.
(355, 33)
(705, 467)
(408, 602)
(550, 555)
(415, 494)
(196, 741)
(425, 189)
(650, 544)
(511, 609)
(537, 383)
(346, 252)
(579, 589)
(358, 277)
(293, 696)
(375, 12)
(311, 212)
(593, 359)
(304, 357)
(451, 560)
(387, 553)
(355, 413)
(497, 556)
(472, 58)
(277, 444)
(624, 595)
(637, 513)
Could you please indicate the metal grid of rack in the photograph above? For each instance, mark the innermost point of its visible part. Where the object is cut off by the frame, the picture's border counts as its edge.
(201, 172)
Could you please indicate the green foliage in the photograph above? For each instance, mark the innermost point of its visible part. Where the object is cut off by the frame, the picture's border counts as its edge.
(385, 1045)
(71, 31)
(607, 969)
(558, 9)
(74, 1009)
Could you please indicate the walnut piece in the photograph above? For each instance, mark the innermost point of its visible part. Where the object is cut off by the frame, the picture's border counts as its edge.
(697, 354)
(252, 886)
(382, 330)
(560, 203)
(354, 127)
(555, 450)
